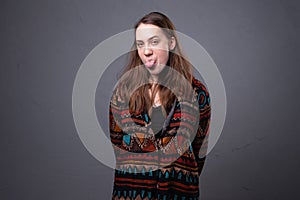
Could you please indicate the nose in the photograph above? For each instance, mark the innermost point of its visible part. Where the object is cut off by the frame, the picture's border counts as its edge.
(147, 51)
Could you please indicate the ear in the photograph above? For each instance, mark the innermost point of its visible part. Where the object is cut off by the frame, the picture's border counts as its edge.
(172, 43)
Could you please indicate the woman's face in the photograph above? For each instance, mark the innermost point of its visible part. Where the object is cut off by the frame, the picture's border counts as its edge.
(153, 48)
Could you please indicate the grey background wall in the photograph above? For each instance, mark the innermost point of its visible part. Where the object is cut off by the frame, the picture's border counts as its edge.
(254, 43)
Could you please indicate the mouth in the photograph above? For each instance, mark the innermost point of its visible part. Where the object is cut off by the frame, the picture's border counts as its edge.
(150, 63)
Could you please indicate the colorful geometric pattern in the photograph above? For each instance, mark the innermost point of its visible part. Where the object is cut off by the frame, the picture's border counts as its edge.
(171, 171)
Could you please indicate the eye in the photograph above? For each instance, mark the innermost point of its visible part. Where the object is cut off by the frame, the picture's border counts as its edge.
(154, 42)
(139, 45)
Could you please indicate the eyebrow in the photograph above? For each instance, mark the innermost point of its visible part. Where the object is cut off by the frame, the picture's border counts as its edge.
(149, 38)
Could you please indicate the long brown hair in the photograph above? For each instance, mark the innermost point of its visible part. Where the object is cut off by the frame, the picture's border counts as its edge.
(140, 100)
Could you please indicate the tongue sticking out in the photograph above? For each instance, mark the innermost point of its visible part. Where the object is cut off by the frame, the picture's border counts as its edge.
(149, 63)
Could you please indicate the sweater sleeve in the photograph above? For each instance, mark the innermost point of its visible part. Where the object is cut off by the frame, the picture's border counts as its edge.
(127, 133)
(118, 136)
(116, 132)
(200, 143)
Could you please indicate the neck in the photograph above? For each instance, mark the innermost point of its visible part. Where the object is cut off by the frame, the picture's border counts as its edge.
(153, 79)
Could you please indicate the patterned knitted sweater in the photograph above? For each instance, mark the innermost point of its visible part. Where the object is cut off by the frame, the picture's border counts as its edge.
(166, 165)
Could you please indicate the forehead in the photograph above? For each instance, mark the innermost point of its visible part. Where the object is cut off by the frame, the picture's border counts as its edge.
(146, 31)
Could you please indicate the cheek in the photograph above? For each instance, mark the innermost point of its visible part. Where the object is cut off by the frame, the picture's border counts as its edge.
(163, 56)
(140, 54)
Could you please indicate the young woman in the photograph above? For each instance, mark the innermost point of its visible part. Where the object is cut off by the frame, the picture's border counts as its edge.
(159, 118)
